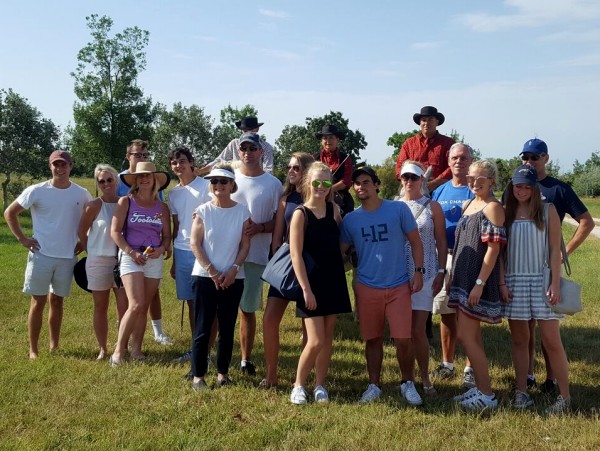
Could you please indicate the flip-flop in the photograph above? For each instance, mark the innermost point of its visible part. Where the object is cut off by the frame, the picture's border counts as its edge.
(113, 363)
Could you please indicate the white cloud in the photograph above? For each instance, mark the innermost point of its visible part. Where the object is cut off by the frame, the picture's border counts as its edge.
(533, 13)
(281, 54)
(273, 13)
(425, 45)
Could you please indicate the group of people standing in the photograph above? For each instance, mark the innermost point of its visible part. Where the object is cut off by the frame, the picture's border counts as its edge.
(457, 252)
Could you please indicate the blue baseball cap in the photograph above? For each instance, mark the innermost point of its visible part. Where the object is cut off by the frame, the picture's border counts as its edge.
(536, 146)
(524, 175)
(252, 138)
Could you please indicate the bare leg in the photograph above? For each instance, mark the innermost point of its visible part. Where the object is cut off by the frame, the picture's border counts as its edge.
(324, 356)
(156, 307)
(469, 334)
(519, 332)
(374, 356)
(274, 312)
(421, 344)
(531, 346)
(34, 323)
(550, 331)
(315, 329)
(122, 303)
(247, 334)
(406, 358)
(55, 317)
(101, 300)
(448, 336)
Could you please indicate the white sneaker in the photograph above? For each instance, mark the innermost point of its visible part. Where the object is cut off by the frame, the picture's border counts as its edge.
(163, 340)
(299, 395)
(479, 401)
(470, 392)
(320, 394)
(371, 393)
(410, 393)
(522, 400)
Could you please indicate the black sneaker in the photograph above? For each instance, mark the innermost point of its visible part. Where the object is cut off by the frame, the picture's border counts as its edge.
(548, 387)
(188, 376)
(248, 368)
(224, 382)
(531, 383)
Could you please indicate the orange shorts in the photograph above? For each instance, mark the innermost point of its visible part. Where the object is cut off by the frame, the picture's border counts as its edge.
(375, 305)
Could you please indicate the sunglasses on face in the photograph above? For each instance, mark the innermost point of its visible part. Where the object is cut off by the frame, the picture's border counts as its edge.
(411, 177)
(323, 183)
(294, 168)
(221, 181)
(248, 148)
(139, 155)
(530, 157)
(476, 180)
(103, 181)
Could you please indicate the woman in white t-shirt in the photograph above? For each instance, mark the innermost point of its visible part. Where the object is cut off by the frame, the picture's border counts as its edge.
(94, 234)
(220, 247)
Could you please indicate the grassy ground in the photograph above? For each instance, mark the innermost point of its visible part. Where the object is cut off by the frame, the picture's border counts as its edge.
(68, 400)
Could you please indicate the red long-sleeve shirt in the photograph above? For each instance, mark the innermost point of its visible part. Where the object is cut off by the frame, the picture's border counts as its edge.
(429, 152)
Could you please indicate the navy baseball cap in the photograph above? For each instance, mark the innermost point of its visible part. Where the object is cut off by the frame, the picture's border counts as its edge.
(366, 170)
(524, 175)
(536, 146)
(252, 138)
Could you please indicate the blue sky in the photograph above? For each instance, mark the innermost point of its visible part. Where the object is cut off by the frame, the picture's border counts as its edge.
(500, 71)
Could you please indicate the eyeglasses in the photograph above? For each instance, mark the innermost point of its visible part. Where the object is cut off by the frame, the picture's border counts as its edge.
(530, 157)
(221, 181)
(411, 177)
(248, 148)
(103, 181)
(294, 168)
(139, 155)
(476, 180)
(323, 183)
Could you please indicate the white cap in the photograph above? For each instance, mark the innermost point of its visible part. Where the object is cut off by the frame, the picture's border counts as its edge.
(220, 173)
(411, 168)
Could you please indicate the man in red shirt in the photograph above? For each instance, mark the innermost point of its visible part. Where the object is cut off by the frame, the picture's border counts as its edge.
(429, 147)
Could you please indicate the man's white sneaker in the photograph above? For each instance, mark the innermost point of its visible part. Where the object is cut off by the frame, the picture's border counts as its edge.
(479, 401)
(410, 393)
(163, 340)
(320, 394)
(371, 393)
(470, 392)
(299, 395)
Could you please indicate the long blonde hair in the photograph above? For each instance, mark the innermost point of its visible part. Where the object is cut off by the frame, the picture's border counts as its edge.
(317, 166)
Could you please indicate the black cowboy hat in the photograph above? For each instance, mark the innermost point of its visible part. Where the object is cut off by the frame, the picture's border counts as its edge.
(248, 123)
(330, 130)
(428, 111)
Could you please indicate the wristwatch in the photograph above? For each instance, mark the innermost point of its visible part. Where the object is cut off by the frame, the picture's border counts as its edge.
(442, 271)
(237, 267)
(480, 282)
(420, 269)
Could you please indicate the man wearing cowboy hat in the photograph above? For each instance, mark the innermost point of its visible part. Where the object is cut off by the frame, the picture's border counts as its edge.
(339, 163)
(429, 147)
(56, 208)
(248, 124)
(137, 152)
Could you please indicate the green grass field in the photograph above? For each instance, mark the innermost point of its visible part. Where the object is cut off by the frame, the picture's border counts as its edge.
(68, 400)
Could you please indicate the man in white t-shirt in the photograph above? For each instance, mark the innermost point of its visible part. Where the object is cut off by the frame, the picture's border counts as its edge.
(191, 192)
(260, 192)
(56, 207)
(137, 151)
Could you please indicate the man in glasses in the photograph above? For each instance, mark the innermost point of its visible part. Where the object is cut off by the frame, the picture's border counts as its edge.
(248, 124)
(184, 198)
(451, 196)
(378, 229)
(137, 151)
(260, 192)
(555, 191)
(56, 208)
(429, 147)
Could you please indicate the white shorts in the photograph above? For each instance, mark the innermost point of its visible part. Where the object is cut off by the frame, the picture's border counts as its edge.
(45, 275)
(440, 302)
(423, 300)
(153, 269)
(99, 271)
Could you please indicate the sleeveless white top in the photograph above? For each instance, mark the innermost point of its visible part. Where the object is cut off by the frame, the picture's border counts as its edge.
(426, 232)
(100, 244)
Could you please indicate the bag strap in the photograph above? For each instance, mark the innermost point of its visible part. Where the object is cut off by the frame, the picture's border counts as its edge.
(422, 209)
(124, 229)
(302, 208)
(563, 248)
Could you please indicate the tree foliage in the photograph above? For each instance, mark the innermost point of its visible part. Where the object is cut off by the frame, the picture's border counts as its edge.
(301, 138)
(183, 126)
(226, 130)
(111, 109)
(26, 140)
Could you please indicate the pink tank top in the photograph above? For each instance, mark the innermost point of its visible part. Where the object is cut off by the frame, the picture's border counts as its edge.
(144, 225)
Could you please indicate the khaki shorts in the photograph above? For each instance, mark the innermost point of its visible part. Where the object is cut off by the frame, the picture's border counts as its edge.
(375, 305)
(253, 287)
(99, 272)
(440, 302)
(45, 275)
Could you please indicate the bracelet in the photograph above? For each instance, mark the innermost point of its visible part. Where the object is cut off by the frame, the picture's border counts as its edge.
(130, 251)
(420, 269)
(212, 275)
(237, 267)
(442, 271)
(207, 267)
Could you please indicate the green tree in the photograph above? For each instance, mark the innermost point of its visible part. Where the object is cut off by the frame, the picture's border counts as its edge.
(26, 141)
(387, 175)
(111, 109)
(183, 126)
(301, 138)
(397, 139)
(226, 130)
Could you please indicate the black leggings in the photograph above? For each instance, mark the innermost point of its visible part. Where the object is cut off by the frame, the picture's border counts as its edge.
(208, 303)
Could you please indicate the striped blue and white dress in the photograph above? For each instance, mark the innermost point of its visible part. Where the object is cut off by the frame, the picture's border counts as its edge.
(525, 255)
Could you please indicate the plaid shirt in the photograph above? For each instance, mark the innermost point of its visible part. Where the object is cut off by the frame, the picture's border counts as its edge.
(429, 152)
